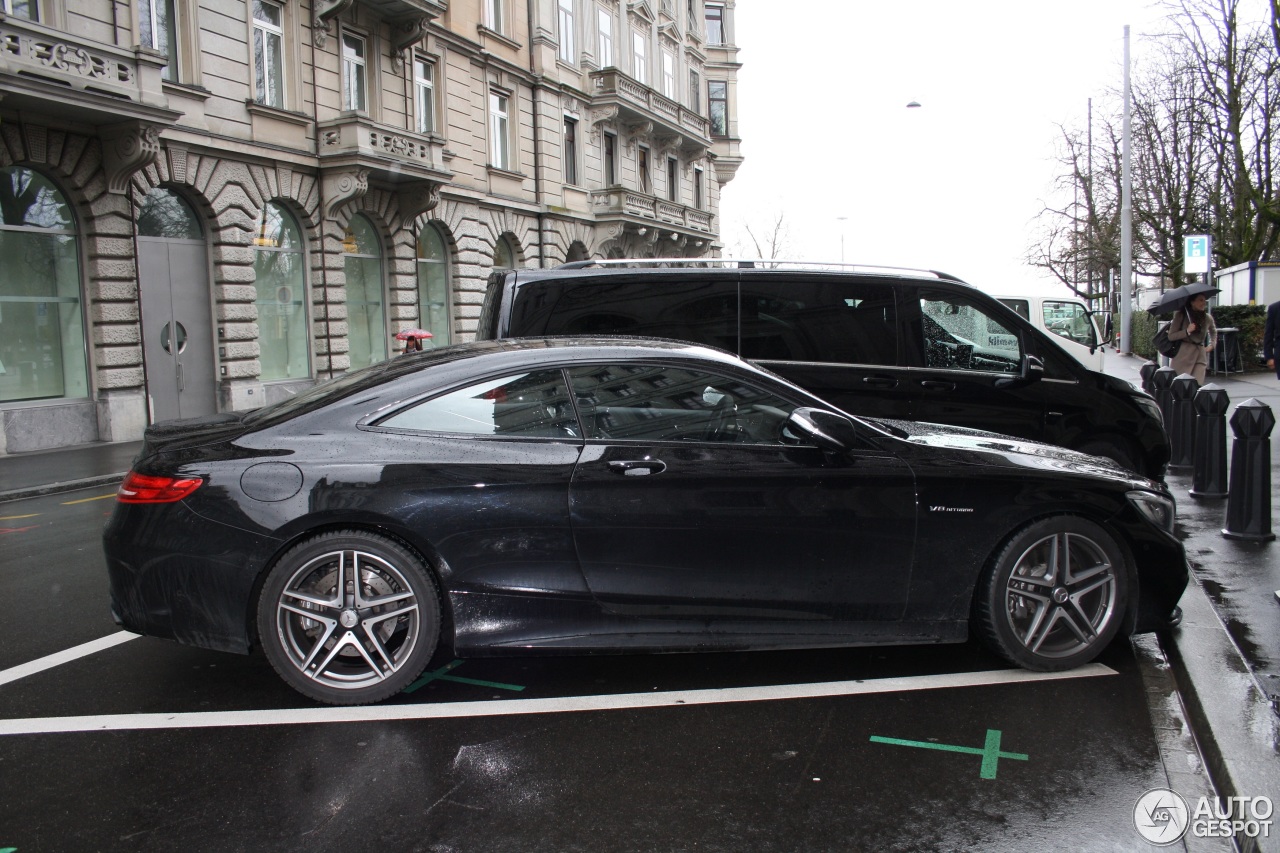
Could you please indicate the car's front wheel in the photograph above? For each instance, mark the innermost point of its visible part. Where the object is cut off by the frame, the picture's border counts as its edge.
(349, 617)
(1054, 596)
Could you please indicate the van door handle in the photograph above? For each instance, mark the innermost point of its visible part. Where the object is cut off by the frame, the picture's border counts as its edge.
(880, 381)
(637, 467)
(937, 385)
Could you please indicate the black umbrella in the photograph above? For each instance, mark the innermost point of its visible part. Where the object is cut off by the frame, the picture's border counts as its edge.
(1175, 300)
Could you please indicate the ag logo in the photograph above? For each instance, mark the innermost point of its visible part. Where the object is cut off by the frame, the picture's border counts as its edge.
(1161, 816)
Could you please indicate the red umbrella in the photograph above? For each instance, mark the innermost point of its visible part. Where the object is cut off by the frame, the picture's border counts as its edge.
(409, 334)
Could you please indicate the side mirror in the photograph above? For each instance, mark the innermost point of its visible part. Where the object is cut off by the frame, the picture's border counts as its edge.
(829, 431)
(1032, 371)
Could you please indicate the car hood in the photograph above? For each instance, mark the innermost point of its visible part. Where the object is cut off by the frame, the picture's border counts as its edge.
(1010, 450)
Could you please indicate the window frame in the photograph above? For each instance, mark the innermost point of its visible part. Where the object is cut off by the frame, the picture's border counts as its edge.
(424, 95)
(604, 37)
(262, 66)
(359, 66)
(569, 154)
(566, 18)
(640, 57)
(718, 29)
(33, 8)
(695, 91)
(303, 276)
(500, 149)
(609, 157)
(699, 194)
(495, 15)
(644, 179)
(668, 74)
(169, 30)
(712, 101)
(673, 179)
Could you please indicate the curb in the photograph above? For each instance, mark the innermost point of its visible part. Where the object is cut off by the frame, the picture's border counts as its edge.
(1231, 715)
(58, 488)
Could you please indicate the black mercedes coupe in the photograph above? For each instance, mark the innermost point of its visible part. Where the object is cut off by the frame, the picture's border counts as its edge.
(617, 495)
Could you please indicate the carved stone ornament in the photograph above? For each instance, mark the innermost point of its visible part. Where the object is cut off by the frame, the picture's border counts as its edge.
(416, 198)
(405, 34)
(322, 14)
(342, 187)
(126, 149)
(599, 115)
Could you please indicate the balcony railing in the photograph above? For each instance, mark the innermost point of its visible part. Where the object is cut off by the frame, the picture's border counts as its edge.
(356, 140)
(634, 206)
(638, 103)
(104, 81)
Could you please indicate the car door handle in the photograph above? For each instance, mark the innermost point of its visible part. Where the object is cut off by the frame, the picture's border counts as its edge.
(937, 385)
(637, 467)
(880, 381)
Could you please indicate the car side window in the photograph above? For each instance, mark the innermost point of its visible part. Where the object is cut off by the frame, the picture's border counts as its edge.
(957, 334)
(840, 322)
(644, 402)
(526, 405)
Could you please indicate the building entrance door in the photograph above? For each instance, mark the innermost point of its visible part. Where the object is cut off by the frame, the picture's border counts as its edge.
(177, 328)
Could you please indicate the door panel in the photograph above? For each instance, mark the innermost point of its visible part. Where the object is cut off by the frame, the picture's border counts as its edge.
(177, 328)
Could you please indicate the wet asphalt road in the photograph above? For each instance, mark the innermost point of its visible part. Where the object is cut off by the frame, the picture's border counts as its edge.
(1016, 766)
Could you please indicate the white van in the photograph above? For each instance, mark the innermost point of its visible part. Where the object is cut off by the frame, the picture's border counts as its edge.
(1068, 321)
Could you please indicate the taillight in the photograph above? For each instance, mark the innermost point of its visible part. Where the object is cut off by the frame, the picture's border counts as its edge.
(146, 489)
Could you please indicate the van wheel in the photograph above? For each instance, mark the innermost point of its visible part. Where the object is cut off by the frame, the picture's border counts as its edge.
(1112, 450)
(1054, 596)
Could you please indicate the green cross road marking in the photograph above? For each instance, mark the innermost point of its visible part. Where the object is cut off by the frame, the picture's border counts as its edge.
(990, 753)
(8, 850)
(439, 675)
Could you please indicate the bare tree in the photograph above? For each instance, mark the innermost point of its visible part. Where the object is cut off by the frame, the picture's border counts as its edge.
(770, 238)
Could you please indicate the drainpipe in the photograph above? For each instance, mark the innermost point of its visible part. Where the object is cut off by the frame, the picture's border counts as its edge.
(324, 266)
(537, 146)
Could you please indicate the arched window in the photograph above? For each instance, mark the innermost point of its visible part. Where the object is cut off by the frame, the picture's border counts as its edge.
(42, 339)
(164, 213)
(504, 256)
(366, 311)
(433, 287)
(279, 265)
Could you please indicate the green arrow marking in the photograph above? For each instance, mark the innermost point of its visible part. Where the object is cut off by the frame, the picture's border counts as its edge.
(990, 753)
(439, 675)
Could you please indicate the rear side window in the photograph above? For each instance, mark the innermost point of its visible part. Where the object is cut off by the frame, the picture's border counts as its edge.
(528, 405)
(703, 312)
(819, 321)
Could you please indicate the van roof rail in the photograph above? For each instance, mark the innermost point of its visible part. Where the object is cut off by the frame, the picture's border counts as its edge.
(755, 263)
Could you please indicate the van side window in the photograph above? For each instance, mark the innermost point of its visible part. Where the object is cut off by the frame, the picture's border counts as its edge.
(819, 321)
(703, 312)
(953, 333)
(1071, 321)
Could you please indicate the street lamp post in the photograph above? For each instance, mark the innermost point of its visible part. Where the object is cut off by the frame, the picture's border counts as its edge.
(841, 220)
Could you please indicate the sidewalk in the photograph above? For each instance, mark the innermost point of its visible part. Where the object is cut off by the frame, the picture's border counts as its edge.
(29, 475)
(1225, 655)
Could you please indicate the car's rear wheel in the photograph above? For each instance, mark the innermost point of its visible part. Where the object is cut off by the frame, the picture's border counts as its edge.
(1054, 596)
(349, 617)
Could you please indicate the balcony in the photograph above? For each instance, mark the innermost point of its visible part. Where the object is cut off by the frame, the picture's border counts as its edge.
(45, 70)
(639, 213)
(638, 106)
(354, 149)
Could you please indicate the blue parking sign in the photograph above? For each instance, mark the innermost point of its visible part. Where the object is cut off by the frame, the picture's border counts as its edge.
(1195, 255)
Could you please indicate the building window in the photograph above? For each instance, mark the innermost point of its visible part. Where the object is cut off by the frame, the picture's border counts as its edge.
(495, 17)
(42, 339)
(698, 201)
(28, 9)
(424, 95)
(268, 62)
(570, 150)
(668, 74)
(366, 309)
(504, 257)
(642, 168)
(157, 25)
(639, 58)
(434, 313)
(279, 266)
(353, 73)
(567, 50)
(695, 91)
(605, 35)
(673, 179)
(610, 160)
(715, 24)
(718, 105)
(499, 131)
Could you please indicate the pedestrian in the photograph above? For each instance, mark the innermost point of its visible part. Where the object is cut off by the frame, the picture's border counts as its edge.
(412, 345)
(1194, 327)
(1271, 340)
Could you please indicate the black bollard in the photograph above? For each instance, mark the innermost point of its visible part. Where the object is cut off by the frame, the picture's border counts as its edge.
(1148, 372)
(1249, 495)
(1209, 474)
(1162, 390)
(1182, 421)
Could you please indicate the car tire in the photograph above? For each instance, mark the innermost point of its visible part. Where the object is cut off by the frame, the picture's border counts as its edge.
(342, 642)
(1054, 596)
(1113, 450)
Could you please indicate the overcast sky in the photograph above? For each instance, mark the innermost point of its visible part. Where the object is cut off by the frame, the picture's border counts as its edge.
(954, 185)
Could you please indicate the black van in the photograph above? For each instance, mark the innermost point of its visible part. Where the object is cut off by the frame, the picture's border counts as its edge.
(879, 342)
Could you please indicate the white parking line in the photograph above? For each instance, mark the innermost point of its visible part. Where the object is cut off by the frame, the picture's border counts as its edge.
(383, 713)
(23, 670)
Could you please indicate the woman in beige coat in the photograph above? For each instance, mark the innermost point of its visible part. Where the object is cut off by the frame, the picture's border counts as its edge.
(1194, 327)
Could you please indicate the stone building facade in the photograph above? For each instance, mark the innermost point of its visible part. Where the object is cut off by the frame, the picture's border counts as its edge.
(209, 205)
